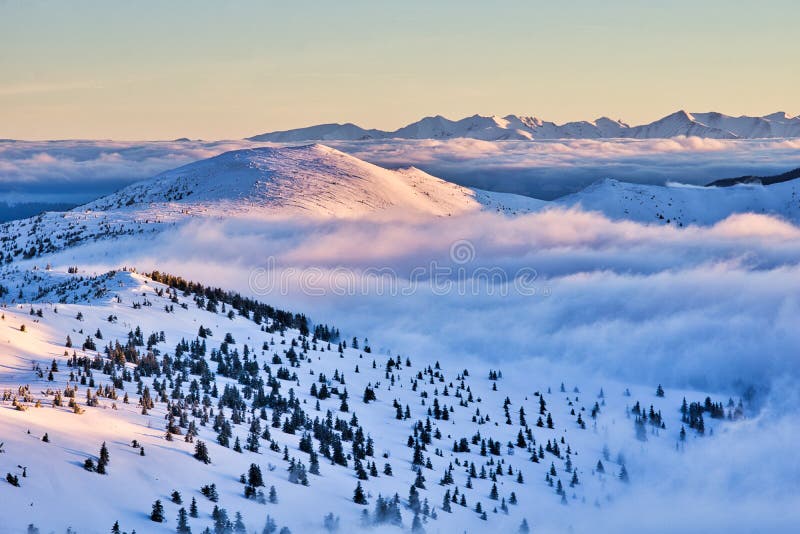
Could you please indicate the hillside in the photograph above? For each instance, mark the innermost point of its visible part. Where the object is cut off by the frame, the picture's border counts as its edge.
(305, 182)
(290, 416)
(312, 180)
(520, 127)
(683, 205)
(294, 415)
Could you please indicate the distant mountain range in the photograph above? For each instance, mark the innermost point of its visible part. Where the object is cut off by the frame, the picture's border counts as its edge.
(513, 127)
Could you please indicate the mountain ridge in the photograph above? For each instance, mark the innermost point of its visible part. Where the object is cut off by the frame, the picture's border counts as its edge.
(711, 125)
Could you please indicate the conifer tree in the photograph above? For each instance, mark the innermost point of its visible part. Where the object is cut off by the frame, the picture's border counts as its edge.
(183, 522)
(157, 514)
(358, 495)
(254, 477)
(201, 452)
(103, 460)
(623, 474)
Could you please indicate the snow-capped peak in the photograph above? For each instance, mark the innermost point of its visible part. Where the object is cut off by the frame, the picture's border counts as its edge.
(522, 127)
(312, 180)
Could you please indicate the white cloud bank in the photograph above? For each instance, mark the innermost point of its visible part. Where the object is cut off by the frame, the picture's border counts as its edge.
(714, 308)
(79, 171)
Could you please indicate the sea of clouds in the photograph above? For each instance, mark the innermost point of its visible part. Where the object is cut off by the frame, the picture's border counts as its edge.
(711, 308)
(74, 172)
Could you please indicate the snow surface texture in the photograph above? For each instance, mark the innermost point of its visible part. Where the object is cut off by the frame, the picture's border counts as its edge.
(121, 302)
(707, 309)
(512, 127)
(312, 180)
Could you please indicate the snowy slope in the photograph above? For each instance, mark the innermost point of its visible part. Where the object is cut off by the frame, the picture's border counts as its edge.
(272, 364)
(518, 127)
(312, 180)
(56, 492)
(682, 205)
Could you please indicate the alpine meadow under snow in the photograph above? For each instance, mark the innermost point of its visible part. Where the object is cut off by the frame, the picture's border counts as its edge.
(291, 339)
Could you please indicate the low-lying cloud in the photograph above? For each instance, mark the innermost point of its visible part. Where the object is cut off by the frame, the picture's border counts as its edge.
(74, 172)
(706, 307)
(713, 308)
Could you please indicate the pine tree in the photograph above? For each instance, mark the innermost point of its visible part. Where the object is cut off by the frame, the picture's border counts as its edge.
(358, 495)
(114, 529)
(193, 508)
(238, 524)
(413, 499)
(201, 452)
(269, 526)
(157, 513)
(623, 474)
(273, 495)
(416, 525)
(183, 522)
(103, 460)
(254, 477)
(523, 527)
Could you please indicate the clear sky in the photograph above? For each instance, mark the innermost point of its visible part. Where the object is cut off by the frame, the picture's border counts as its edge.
(166, 69)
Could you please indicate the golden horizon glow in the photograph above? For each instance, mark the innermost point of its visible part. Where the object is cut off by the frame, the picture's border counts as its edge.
(155, 70)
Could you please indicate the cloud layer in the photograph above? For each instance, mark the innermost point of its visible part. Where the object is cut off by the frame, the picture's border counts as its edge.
(712, 308)
(79, 171)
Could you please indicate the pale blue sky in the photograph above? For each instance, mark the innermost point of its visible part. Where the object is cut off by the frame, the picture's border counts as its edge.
(147, 69)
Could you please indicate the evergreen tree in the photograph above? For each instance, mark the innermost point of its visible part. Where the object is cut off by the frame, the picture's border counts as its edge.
(358, 495)
(254, 477)
(416, 525)
(193, 508)
(238, 524)
(331, 523)
(157, 514)
(269, 526)
(201, 452)
(623, 474)
(183, 522)
(413, 499)
(103, 460)
(446, 502)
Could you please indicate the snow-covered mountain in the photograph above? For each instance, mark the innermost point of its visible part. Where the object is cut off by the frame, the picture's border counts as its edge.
(683, 205)
(514, 127)
(311, 180)
(315, 181)
(236, 419)
(153, 403)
